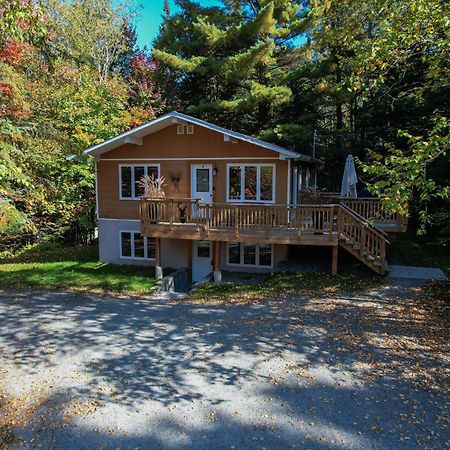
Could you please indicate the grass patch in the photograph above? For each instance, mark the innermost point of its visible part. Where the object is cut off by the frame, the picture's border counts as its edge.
(283, 285)
(75, 268)
(421, 252)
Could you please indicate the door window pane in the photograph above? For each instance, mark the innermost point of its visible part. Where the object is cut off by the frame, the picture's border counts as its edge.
(265, 254)
(235, 183)
(139, 245)
(203, 249)
(138, 174)
(125, 173)
(126, 244)
(266, 183)
(250, 182)
(150, 248)
(234, 254)
(202, 180)
(250, 254)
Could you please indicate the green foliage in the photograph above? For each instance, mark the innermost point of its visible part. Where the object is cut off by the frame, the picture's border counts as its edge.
(63, 88)
(372, 79)
(21, 21)
(12, 221)
(411, 38)
(50, 267)
(89, 32)
(400, 174)
(223, 62)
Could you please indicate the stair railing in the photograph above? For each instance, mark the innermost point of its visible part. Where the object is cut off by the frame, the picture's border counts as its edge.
(367, 239)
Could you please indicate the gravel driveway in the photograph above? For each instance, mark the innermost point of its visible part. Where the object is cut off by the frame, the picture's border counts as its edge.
(352, 371)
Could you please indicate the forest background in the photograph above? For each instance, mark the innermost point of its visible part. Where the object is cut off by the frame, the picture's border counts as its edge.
(364, 78)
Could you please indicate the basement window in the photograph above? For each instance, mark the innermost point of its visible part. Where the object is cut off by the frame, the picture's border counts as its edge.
(250, 255)
(135, 246)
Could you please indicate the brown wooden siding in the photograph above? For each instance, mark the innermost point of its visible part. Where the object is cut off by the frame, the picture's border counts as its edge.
(204, 143)
(167, 144)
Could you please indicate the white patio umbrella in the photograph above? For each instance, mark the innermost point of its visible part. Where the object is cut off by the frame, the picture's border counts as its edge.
(349, 180)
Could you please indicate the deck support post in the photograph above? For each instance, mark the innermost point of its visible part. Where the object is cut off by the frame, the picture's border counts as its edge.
(216, 262)
(334, 260)
(158, 268)
(189, 264)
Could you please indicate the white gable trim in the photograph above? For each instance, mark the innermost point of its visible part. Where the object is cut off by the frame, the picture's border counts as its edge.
(136, 134)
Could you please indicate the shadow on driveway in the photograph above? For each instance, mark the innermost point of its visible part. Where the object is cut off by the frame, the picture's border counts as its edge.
(359, 370)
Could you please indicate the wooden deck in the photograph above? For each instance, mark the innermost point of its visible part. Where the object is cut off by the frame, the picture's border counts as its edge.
(367, 207)
(325, 225)
(280, 224)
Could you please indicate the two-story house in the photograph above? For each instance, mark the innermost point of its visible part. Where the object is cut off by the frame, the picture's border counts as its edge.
(231, 202)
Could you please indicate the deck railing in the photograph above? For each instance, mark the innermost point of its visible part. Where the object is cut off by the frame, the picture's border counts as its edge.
(238, 217)
(333, 223)
(365, 239)
(372, 209)
(368, 207)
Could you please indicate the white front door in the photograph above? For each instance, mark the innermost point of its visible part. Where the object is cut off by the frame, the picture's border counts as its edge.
(201, 259)
(201, 182)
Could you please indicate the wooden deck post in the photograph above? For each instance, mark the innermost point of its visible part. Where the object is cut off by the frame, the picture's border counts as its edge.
(158, 268)
(334, 260)
(216, 262)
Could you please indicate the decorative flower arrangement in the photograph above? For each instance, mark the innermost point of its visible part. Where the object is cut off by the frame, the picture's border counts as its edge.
(152, 186)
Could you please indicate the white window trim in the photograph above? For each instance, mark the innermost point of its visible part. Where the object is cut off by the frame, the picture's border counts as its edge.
(241, 256)
(258, 182)
(132, 166)
(138, 258)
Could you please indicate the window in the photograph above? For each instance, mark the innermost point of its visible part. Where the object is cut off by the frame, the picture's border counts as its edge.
(129, 177)
(247, 254)
(250, 254)
(125, 245)
(203, 249)
(135, 246)
(202, 179)
(234, 183)
(251, 183)
(189, 129)
(265, 255)
(234, 253)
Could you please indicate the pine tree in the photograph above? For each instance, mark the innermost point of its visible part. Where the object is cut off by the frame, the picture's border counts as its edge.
(166, 9)
(228, 62)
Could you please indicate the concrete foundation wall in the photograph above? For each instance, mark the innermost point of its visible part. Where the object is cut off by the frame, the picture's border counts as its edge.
(174, 252)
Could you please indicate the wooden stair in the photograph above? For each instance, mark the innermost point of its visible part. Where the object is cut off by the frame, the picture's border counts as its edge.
(361, 239)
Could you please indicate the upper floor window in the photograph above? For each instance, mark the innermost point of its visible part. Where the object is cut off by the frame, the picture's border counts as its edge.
(251, 183)
(129, 177)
